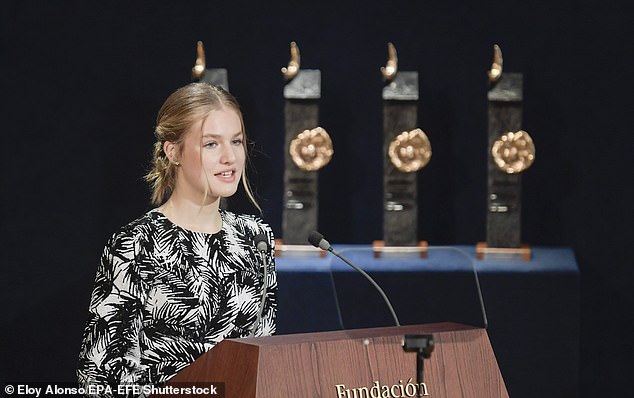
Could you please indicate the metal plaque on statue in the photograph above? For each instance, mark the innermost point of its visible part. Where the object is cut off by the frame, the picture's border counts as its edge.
(307, 148)
(511, 151)
(406, 150)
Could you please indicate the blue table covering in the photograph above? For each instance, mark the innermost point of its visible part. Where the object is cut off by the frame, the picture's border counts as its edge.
(532, 307)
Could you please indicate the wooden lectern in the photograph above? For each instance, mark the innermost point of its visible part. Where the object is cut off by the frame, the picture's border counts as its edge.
(350, 363)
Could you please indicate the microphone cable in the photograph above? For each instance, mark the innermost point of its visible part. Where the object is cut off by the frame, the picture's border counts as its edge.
(462, 253)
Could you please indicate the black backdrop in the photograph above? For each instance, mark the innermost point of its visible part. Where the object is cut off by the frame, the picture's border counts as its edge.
(82, 82)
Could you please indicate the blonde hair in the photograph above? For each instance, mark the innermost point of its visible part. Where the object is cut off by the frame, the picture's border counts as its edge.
(180, 111)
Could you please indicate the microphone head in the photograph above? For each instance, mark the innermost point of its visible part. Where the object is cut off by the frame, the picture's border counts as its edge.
(314, 238)
(261, 242)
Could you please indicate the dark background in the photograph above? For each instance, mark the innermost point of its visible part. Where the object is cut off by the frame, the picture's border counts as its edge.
(82, 81)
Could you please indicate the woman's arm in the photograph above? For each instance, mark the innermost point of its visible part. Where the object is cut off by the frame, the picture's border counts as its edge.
(110, 352)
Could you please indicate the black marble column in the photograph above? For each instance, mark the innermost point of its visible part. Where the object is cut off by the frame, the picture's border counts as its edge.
(504, 204)
(216, 77)
(301, 112)
(400, 205)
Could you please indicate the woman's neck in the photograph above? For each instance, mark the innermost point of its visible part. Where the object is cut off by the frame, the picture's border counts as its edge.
(193, 216)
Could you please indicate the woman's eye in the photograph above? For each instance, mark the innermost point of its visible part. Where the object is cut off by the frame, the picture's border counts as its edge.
(211, 144)
(237, 141)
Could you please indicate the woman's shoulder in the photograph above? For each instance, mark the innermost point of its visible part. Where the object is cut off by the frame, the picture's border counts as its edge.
(245, 223)
(138, 228)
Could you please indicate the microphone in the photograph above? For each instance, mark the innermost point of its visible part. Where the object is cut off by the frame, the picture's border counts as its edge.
(316, 239)
(261, 243)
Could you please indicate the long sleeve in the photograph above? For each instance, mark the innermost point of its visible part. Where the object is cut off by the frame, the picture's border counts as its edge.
(164, 295)
(110, 352)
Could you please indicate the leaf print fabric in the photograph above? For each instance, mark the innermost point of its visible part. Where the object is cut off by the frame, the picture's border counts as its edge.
(164, 295)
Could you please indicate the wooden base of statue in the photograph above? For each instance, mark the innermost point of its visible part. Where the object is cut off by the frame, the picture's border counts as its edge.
(352, 363)
(381, 250)
(286, 250)
(484, 252)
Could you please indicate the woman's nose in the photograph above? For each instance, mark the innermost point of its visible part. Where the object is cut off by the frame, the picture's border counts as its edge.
(227, 155)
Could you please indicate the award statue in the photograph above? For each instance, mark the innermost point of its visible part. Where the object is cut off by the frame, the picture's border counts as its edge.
(215, 77)
(406, 150)
(511, 152)
(307, 148)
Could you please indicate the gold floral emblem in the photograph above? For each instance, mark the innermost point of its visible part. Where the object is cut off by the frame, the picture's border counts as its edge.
(311, 149)
(513, 152)
(410, 151)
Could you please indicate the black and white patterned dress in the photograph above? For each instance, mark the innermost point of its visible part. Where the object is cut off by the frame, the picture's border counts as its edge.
(164, 295)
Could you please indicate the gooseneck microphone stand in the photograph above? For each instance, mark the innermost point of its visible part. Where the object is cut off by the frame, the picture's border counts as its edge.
(316, 239)
(421, 344)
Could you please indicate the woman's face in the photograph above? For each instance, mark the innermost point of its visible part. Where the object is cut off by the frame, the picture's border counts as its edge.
(216, 161)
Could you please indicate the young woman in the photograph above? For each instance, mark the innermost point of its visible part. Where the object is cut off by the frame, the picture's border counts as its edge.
(186, 275)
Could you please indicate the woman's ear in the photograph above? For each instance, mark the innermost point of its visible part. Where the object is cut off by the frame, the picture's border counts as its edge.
(171, 150)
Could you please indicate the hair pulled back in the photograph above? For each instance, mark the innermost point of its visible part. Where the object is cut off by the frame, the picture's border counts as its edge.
(181, 110)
